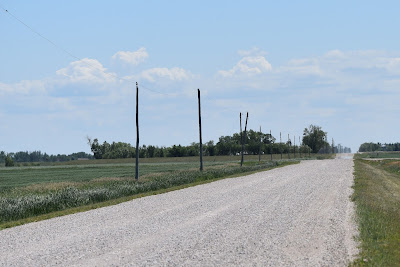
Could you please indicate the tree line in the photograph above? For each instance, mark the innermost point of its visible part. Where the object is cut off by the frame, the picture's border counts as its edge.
(371, 147)
(313, 141)
(38, 156)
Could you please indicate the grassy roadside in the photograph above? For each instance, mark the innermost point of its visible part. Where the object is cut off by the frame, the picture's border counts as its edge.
(377, 198)
(19, 210)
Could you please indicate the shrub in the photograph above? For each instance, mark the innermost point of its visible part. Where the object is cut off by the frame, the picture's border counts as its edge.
(9, 161)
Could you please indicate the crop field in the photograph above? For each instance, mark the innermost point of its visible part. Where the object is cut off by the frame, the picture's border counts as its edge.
(24, 176)
(36, 190)
(377, 197)
(72, 172)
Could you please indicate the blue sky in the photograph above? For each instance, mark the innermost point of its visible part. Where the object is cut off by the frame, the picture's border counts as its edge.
(288, 63)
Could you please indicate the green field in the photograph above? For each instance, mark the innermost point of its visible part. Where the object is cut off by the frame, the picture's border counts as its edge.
(377, 198)
(26, 192)
(72, 172)
(24, 176)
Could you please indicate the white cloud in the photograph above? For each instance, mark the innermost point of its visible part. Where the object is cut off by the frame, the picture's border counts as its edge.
(302, 67)
(249, 65)
(133, 58)
(24, 87)
(173, 74)
(362, 59)
(5, 88)
(392, 65)
(337, 63)
(87, 71)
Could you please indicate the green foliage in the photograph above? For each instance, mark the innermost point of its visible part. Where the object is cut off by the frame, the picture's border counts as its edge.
(176, 151)
(38, 156)
(2, 156)
(120, 150)
(9, 162)
(371, 147)
(314, 137)
(226, 145)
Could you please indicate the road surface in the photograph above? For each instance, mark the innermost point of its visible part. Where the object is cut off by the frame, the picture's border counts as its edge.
(299, 215)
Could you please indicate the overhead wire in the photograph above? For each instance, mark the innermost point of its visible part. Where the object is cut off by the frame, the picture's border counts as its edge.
(78, 58)
(39, 34)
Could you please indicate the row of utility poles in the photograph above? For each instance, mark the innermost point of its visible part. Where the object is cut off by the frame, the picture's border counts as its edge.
(242, 137)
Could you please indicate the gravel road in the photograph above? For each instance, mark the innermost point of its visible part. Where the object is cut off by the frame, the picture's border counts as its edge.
(297, 215)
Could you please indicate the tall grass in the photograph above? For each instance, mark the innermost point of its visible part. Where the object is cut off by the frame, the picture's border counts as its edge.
(377, 198)
(32, 204)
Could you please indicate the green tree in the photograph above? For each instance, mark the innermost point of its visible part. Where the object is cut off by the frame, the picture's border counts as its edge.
(224, 145)
(253, 142)
(2, 156)
(193, 149)
(210, 148)
(96, 149)
(9, 161)
(314, 137)
(151, 151)
(370, 147)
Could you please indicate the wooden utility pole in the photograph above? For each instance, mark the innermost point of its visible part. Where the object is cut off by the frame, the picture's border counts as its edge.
(241, 140)
(294, 146)
(201, 143)
(288, 144)
(280, 144)
(299, 147)
(137, 133)
(270, 143)
(325, 145)
(244, 136)
(259, 151)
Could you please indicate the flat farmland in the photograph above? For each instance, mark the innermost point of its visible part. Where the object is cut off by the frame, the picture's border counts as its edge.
(88, 170)
(25, 176)
(31, 191)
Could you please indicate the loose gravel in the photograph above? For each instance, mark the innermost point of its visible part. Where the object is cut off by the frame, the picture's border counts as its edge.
(297, 215)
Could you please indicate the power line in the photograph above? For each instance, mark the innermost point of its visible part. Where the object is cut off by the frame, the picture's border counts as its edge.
(157, 92)
(78, 58)
(39, 34)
